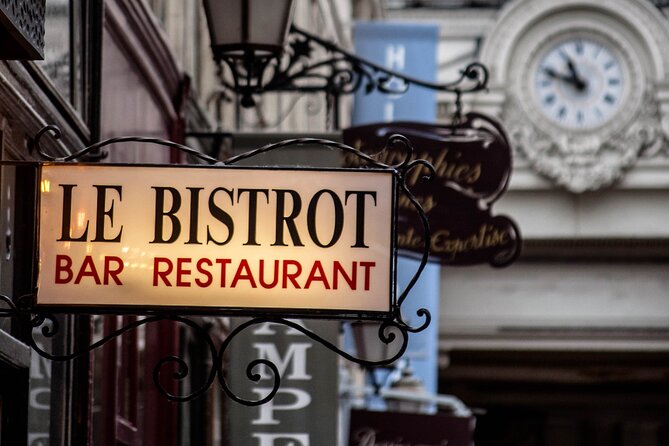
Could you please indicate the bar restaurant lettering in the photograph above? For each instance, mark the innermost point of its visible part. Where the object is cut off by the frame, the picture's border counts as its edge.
(170, 227)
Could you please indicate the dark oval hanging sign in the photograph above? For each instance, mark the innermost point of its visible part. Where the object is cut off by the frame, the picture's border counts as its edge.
(472, 161)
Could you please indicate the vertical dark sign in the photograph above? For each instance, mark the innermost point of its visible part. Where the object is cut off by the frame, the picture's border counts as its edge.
(304, 410)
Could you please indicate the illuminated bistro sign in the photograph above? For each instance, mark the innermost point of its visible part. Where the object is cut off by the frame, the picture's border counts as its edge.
(216, 238)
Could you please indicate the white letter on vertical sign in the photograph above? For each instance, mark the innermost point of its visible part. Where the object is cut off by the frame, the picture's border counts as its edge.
(389, 111)
(302, 400)
(296, 353)
(40, 368)
(395, 57)
(395, 60)
(296, 439)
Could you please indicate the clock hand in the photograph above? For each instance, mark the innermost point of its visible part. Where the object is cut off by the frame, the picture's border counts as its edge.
(555, 75)
(578, 82)
(563, 77)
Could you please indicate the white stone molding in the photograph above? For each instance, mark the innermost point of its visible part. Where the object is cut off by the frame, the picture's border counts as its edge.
(582, 160)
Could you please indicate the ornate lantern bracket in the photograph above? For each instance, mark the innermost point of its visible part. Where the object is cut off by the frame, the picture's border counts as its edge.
(311, 64)
(265, 52)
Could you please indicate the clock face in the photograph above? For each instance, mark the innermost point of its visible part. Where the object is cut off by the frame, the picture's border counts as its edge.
(579, 83)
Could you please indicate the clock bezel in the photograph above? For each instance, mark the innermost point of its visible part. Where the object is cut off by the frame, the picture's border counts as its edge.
(567, 39)
(532, 52)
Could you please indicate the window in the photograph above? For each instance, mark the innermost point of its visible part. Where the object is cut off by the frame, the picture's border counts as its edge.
(70, 69)
(57, 46)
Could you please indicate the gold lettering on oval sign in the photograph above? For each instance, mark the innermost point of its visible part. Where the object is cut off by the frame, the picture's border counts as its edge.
(453, 171)
(447, 171)
(410, 240)
(426, 202)
(487, 236)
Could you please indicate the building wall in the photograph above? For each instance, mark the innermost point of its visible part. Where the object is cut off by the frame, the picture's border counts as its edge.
(37, 394)
(142, 89)
(629, 213)
(588, 295)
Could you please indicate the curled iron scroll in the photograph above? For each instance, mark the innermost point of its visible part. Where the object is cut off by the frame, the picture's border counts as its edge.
(56, 134)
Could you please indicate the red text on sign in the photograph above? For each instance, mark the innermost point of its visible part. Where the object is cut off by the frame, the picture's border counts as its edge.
(112, 268)
(292, 274)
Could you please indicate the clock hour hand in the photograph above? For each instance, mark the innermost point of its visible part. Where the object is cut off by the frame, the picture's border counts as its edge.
(570, 78)
(578, 82)
(555, 75)
(551, 73)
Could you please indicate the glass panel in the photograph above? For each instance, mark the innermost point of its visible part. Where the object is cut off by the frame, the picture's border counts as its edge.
(269, 27)
(57, 38)
(226, 23)
(77, 66)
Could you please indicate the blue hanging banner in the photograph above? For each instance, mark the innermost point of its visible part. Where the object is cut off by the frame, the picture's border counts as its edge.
(407, 48)
(412, 50)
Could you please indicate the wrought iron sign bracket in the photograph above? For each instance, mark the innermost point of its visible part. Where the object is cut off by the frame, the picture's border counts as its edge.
(334, 71)
(393, 328)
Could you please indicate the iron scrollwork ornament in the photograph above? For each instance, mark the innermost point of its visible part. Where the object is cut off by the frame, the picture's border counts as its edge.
(176, 369)
(311, 64)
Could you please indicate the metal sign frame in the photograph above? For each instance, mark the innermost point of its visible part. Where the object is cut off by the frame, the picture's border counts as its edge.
(392, 326)
(227, 310)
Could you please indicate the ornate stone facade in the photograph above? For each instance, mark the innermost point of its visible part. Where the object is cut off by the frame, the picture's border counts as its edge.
(582, 160)
(586, 162)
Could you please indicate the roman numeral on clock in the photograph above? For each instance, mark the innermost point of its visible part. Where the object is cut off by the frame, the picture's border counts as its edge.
(562, 112)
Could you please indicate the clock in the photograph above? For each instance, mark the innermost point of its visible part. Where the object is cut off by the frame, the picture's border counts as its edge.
(580, 86)
(582, 80)
(579, 82)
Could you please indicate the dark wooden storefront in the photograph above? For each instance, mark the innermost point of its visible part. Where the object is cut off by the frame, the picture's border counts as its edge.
(587, 398)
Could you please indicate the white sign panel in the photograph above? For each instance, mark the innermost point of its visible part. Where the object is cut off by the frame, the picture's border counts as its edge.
(220, 238)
